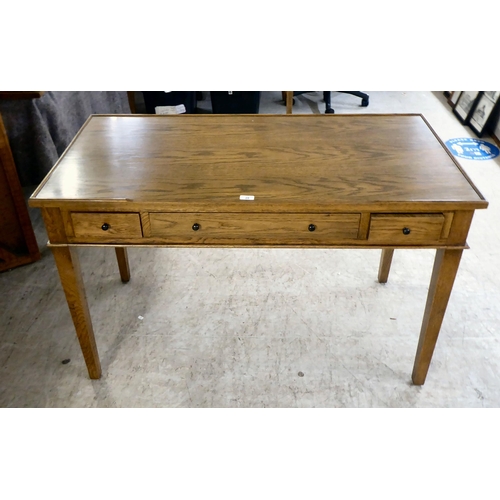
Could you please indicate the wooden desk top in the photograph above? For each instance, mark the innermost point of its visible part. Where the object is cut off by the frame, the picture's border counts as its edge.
(301, 163)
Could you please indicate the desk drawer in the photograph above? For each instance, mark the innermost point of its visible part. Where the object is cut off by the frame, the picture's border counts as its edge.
(105, 226)
(409, 229)
(258, 229)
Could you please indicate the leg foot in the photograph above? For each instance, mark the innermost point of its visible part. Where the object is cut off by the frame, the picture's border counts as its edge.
(122, 257)
(289, 101)
(385, 265)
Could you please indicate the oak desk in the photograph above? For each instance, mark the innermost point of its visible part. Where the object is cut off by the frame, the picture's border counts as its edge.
(302, 181)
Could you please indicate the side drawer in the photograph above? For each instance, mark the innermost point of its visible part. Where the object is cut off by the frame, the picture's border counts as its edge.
(405, 229)
(254, 229)
(105, 226)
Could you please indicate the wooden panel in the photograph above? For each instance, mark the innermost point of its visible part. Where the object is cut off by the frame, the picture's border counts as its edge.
(460, 227)
(18, 244)
(364, 225)
(11, 234)
(291, 229)
(146, 224)
(32, 94)
(410, 229)
(448, 219)
(92, 226)
(54, 222)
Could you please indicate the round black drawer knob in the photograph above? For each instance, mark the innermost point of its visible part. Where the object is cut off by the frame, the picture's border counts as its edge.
(105, 226)
(196, 226)
(406, 230)
(311, 227)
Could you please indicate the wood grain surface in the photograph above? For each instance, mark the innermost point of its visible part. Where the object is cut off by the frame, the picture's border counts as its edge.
(408, 229)
(260, 229)
(119, 226)
(297, 162)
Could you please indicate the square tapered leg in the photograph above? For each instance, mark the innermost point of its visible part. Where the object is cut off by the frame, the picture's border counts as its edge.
(68, 265)
(443, 276)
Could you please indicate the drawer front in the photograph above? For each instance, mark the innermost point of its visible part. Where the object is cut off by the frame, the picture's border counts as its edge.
(105, 226)
(257, 229)
(410, 229)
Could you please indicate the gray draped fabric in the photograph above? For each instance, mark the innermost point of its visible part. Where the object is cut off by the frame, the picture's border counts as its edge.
(39, 130)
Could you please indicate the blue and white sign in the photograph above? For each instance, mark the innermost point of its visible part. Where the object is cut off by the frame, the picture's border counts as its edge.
(472, 149)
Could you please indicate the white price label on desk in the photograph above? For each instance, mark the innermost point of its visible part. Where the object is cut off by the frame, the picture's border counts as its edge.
(170, 110)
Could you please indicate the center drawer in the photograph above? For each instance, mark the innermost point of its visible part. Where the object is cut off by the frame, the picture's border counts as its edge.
(254, 229)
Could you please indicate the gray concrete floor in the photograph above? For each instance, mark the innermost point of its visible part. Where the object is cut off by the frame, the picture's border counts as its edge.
(262, 327)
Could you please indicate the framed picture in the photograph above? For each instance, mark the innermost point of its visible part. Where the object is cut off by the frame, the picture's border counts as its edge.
(465, 105)
(493, 94)
(453, 97)
(486, 103)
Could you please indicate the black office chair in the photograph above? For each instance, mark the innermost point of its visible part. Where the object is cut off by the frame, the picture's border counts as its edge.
(365, 98)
